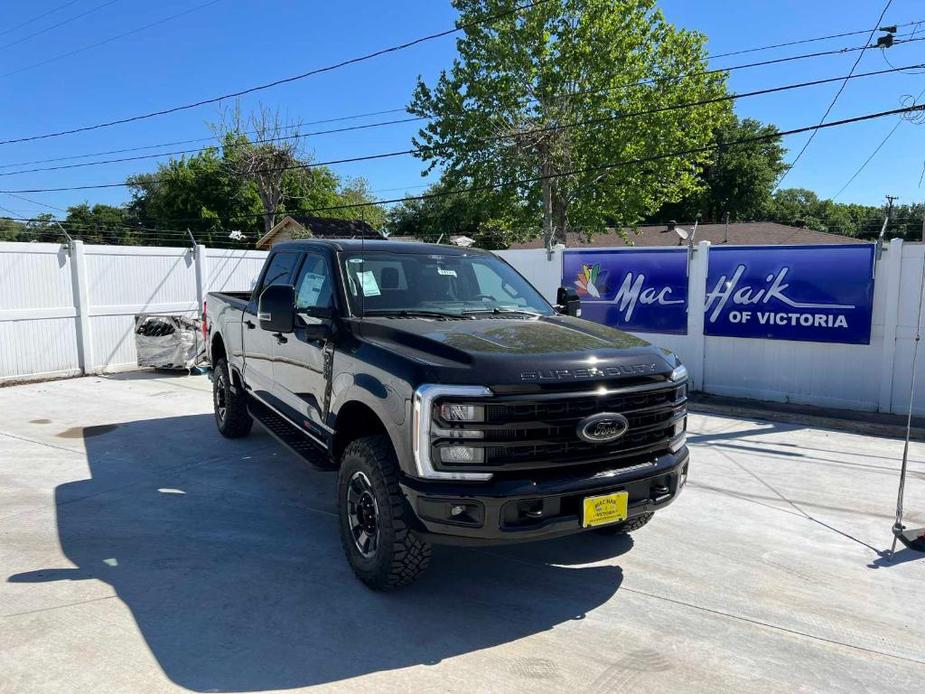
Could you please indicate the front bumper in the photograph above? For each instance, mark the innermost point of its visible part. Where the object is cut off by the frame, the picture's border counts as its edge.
(540, 507)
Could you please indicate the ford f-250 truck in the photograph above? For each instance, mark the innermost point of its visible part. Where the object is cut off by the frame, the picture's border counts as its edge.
(455, 403)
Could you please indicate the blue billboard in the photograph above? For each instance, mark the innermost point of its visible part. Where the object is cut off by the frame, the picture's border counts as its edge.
(636, 290)
(809, 293)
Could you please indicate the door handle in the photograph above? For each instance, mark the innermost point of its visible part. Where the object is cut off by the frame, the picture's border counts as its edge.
(280, 338)
(250, 325)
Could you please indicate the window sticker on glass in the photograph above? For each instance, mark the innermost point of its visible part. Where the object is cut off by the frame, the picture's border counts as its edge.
(310, 290)
(446, 272)
(368, 283)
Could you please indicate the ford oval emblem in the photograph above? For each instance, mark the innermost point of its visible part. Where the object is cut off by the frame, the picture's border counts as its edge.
(603, 427)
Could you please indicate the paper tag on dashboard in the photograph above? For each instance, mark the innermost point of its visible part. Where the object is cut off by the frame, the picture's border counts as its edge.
(368, 283)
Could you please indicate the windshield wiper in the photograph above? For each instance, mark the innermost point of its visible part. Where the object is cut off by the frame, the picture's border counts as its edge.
(410, 313)
(502, 312)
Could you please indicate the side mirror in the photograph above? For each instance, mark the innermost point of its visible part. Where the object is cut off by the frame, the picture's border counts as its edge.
(568, 302)
(276, 308)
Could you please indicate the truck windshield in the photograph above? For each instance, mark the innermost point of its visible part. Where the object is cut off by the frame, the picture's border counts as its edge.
(434, 284)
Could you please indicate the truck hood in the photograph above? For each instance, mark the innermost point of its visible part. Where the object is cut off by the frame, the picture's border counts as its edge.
(516, 350)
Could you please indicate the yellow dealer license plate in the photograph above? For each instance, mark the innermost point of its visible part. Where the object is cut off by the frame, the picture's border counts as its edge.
(604, 509)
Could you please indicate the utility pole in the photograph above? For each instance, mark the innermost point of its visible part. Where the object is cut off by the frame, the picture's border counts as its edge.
(889, 212)
(886, 221)
(923, 224)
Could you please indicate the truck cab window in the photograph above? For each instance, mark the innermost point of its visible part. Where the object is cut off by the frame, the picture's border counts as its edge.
(313, 288)
(280, 269)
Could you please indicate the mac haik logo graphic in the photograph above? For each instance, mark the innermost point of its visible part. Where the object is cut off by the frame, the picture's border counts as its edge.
(644, 290)
(588, 277)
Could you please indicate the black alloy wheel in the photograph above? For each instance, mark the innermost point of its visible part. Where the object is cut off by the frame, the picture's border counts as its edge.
(363, 514)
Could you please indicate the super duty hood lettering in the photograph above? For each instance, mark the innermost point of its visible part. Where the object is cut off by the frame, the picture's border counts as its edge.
(589, 372)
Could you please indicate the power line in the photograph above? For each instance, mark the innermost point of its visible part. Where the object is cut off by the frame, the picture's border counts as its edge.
(402, 109)
(811, 40)
(401, 47)
(36, 202)
(276, 83)
(36, 18)
(419, 118)
(59, 24)
(203, 149)
(416, 118)
(876, 150)
(834, 98)
(420, 150)
(108, 40)
(590, 169)
(243, 132)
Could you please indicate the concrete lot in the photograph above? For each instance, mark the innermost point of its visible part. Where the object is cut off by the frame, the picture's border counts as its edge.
(140, 551)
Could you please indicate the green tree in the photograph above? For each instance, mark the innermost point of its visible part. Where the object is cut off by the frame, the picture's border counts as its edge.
(480, 216)
(211, 195)
(198, 193)
(506, 109)
(355, 191)
(11, 230)
(736, 179)
(100, 224)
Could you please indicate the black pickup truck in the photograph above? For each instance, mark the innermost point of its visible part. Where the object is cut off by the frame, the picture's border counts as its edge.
(456, 404)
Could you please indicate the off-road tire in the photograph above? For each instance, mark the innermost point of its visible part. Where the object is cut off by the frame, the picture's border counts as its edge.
(400, 554)
(235, 422)
(626, 526)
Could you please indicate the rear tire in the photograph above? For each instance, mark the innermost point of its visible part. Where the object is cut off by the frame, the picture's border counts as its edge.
(231, 415)
(381, 548)
(626, 526)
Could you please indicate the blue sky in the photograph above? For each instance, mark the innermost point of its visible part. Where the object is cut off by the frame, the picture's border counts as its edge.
(238, 43)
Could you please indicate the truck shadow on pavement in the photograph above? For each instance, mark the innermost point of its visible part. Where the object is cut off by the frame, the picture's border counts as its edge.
(227, 555)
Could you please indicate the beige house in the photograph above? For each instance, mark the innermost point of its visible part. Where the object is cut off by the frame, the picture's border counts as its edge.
(316, 227)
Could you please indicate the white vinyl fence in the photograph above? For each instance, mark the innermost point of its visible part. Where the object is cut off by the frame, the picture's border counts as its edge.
(68, 310)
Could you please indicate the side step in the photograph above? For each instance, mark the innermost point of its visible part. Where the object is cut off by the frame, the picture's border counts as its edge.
(290, 436)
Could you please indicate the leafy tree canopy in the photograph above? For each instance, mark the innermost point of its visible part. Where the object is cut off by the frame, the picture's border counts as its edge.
(735, 179)
(504, 111)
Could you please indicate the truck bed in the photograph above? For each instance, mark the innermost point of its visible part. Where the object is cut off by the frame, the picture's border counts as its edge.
(236, 299)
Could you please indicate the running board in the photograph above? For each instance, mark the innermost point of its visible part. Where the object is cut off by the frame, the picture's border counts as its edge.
(290, 436)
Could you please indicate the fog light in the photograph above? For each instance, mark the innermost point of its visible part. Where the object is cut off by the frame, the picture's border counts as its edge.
(459, 412)
(461, 455)
(457, 510)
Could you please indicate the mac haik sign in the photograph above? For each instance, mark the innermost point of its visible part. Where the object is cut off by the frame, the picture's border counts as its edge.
(810, 293)
(637, 290)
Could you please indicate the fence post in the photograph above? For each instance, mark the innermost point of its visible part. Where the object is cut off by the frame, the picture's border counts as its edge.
(202, 276)
(82, 306)
(891, 270)
(696, 305)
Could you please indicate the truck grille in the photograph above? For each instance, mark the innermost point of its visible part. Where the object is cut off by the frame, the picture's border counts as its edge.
(531, 432)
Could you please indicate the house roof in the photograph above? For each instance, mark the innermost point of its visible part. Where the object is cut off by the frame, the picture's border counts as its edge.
(739, 234)
(322, 228)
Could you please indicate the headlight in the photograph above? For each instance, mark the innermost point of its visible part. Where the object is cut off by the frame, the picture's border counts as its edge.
(459, 412)
(424, 430)
(679, 373)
